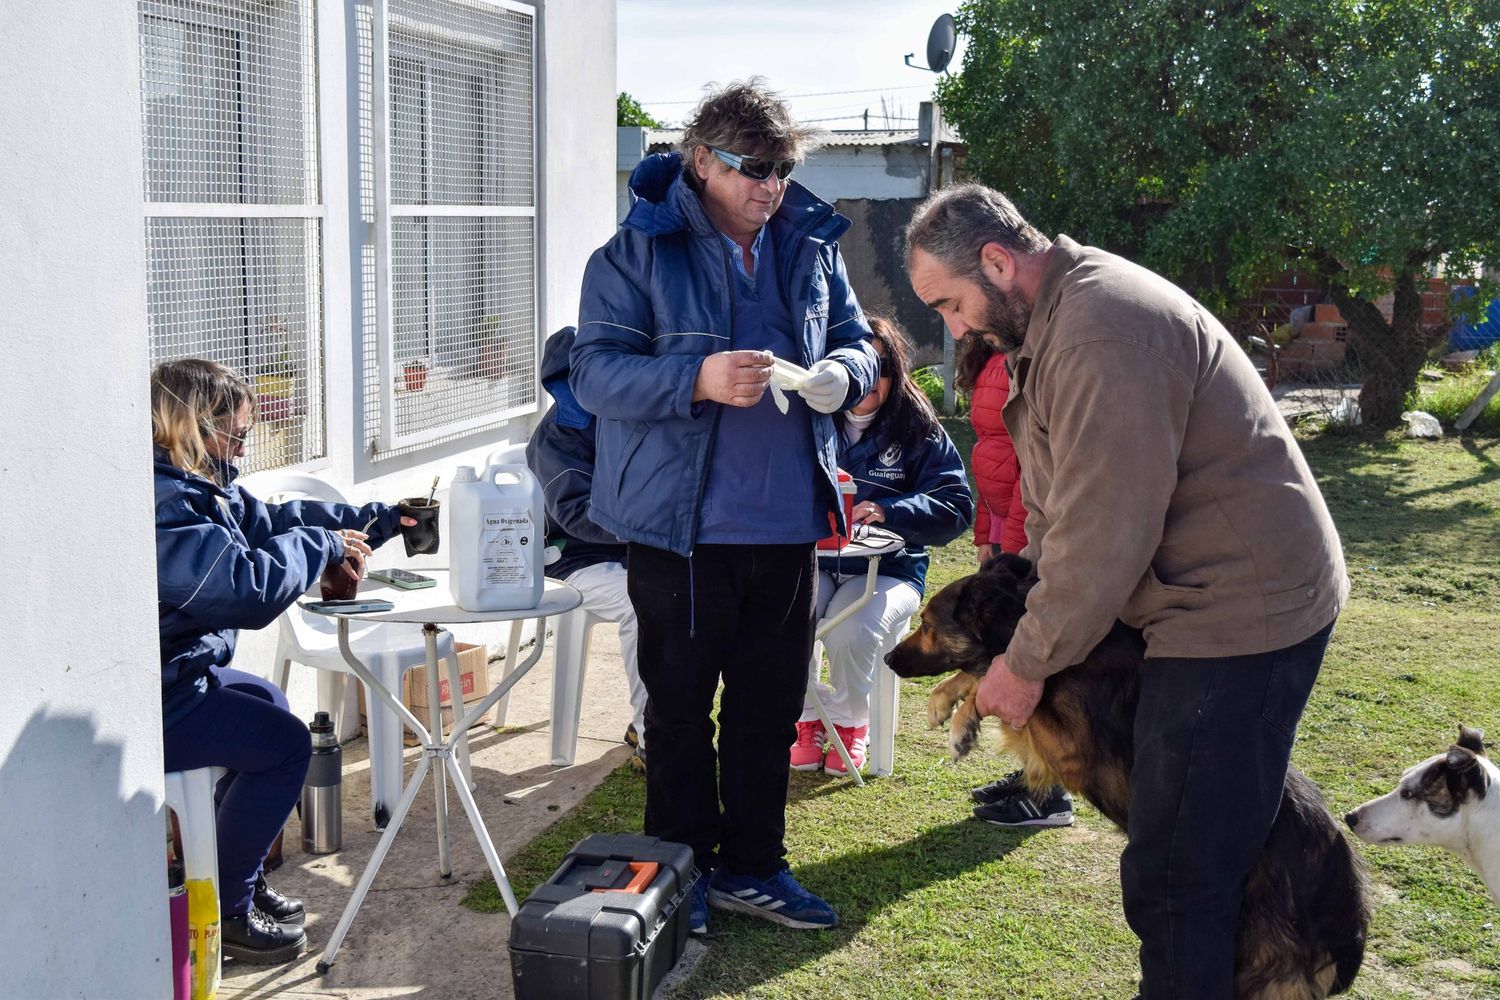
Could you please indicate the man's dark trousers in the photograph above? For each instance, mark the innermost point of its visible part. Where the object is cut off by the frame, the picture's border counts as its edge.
(743, 612)
(1212, 741)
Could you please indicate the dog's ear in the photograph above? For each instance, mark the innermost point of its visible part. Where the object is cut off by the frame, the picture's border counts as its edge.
(1464, 774)
(1010, 563)
(1471, 739)
(988, 607)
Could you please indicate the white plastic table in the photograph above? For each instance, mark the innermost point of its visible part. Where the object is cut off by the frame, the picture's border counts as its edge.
(430, 608)
(872, 544)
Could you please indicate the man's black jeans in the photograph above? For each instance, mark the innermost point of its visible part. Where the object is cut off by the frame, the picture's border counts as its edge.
(1212, 742)
(743, 612)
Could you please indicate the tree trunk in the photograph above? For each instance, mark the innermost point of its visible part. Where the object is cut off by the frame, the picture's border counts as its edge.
(1391, 354)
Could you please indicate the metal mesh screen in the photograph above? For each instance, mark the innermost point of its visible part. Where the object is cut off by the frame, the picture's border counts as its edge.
(245, 292)
(228, 92)
(462, 296)
(462, 282)
(233, 228)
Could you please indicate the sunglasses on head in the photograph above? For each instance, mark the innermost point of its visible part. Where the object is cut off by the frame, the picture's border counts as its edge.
(754, 167)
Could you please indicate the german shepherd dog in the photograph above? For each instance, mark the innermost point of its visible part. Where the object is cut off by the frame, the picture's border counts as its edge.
(1305, 908)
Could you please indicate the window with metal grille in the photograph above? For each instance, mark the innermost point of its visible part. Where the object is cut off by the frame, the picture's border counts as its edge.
(454, 186)
(233, 207)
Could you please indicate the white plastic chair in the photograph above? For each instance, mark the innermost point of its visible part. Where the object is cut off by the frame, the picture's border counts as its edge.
(190, 794)
(388, 649)
(570, 653)
(570, 649)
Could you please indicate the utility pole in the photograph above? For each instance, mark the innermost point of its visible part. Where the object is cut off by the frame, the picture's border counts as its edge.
(934, 182)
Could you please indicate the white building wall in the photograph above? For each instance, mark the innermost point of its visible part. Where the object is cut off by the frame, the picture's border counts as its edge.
(83, 863)
(877, 173)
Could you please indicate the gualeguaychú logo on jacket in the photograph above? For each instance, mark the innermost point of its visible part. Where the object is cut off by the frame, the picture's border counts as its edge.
(890, 464)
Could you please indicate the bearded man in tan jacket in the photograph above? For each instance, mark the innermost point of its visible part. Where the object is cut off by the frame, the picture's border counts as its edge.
(1162, 487)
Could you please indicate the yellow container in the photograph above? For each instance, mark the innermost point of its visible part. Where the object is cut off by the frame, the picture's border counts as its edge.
(203, 937)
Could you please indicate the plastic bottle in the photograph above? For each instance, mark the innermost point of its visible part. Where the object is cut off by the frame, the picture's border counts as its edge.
(495, 521)
(323, 791)
(177, 910)
(203, 937)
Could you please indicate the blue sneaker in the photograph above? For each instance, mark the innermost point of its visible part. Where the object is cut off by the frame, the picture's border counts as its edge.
(778, 898)
(698, 907)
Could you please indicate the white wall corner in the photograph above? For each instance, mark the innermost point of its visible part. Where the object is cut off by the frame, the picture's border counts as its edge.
(80, 726)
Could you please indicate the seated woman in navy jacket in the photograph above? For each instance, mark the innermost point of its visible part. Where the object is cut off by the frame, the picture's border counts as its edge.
(226, 561)
(909, 478)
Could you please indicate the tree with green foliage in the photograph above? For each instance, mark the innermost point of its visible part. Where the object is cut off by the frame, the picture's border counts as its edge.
(628, 111)
(1219, 145)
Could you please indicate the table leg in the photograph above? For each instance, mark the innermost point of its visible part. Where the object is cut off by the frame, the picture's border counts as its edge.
(435, 717)
(460, 736)
(376, 860)
(482, 835)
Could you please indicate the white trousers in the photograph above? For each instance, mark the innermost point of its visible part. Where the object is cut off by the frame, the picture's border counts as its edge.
(603, 588)
(857, 647)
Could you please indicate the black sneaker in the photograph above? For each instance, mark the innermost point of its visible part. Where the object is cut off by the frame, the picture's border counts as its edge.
(1055, 809)
(282, 909)
(257, 939)
(632, 738)
(1012, 784)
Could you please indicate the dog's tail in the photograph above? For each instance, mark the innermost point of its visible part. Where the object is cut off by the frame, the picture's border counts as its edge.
(1339, 902)
(1347, 944)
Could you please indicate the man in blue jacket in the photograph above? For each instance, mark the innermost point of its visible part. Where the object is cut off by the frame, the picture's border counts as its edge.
(722, 265)
(561, 453)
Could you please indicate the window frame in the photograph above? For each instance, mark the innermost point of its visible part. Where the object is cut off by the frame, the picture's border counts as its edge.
(234, 17)
(384, 50)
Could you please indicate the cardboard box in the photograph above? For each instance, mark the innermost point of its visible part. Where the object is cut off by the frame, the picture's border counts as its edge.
(474, 676)
(1327, 313)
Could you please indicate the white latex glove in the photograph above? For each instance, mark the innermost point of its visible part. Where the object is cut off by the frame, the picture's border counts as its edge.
(826, 387)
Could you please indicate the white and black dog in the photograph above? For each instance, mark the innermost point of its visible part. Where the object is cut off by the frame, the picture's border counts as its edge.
(1444, 801)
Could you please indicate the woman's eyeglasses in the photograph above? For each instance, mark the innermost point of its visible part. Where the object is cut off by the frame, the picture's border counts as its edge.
(754, 167)
(887, 370)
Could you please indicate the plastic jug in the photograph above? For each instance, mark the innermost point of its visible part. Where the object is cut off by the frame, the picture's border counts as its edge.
(496, 520)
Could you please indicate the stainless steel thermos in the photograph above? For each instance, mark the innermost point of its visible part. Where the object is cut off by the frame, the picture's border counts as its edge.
(322, 793)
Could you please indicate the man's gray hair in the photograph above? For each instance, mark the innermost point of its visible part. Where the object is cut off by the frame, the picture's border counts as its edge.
(749, 118)
(954, 224)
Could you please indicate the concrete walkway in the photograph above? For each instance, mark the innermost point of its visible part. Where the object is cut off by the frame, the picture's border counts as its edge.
(411, 937)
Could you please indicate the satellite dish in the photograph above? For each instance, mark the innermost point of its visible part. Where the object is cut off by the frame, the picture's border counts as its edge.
(940, 44)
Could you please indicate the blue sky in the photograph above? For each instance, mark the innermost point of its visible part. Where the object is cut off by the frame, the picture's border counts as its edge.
(813, 51)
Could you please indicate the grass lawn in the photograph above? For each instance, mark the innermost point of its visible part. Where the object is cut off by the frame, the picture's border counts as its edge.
(934, 902)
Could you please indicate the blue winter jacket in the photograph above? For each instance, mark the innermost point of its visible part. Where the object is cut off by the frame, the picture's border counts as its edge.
(657, 299)
(225, 561)
(561, 453)
(923, 491)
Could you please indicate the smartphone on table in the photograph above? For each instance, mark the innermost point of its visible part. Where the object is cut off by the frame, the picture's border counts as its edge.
(405, 579)
(353, 605)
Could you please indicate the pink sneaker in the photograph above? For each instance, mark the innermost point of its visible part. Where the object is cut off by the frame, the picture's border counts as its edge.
(856, 740)
(807, 752)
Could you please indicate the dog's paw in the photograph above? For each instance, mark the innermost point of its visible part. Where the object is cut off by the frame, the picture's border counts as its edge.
(939, 709)
(947, 696)
(965, 732)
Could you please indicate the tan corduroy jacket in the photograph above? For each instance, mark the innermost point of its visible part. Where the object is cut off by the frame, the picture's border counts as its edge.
(1162, 486)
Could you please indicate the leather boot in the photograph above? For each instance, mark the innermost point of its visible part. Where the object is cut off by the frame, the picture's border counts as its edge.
(257, 939)
(282, 909)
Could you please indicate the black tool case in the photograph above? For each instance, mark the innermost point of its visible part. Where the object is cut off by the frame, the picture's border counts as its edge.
(609, 923)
